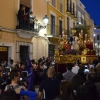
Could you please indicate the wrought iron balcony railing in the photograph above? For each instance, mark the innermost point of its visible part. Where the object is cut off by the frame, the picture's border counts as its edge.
(75, 14)
(81, 20)
(55, 30)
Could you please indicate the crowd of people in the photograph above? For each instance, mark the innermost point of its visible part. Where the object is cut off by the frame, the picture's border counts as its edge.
(79, 82)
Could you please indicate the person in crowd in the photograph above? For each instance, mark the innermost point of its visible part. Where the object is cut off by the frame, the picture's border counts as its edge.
(11, 64)
(35, 70)
(59, 76)
(25, 17)
(44, 70)
(14, 94)
(22, 67)
(32, 19)
(83, 93)
(75, 68)
(91, 64)
(76, 82)
(48, 62)
(20, 16)
(51, 86)
(92, 88)
(1, 71)
(97, 83)
(68, 75)
(66, 91)
(98, 66)
(18, 64)
(15, 78)
(96, 61)
(91, 77)
(81, 72)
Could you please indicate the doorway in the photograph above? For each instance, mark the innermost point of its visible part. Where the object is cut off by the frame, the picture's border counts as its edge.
(3, 53)
(23, 53)
(51, 52)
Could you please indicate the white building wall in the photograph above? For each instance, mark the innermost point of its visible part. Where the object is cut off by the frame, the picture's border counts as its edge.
(40, 47)
(97, 42)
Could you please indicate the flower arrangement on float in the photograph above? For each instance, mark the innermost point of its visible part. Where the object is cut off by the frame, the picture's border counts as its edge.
(74, 44)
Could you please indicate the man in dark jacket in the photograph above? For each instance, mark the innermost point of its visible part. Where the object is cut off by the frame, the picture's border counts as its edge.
(50, 86)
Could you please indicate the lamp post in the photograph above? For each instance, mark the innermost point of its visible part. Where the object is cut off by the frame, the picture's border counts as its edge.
(45, 21)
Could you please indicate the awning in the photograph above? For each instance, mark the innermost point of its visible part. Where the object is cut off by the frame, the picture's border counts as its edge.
(25, 3)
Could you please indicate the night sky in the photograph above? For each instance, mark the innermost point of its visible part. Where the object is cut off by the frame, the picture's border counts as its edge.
(93, 8)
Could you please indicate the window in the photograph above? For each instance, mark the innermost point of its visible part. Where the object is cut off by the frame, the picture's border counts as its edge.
(82, 19)
(54, 3)
(68, 6)
(97, 37)
(51, 50)
(61, 6)
(79, 17)
(67, 23)
(52, 25)
(73, 9)
(60, 27)
(71, 6)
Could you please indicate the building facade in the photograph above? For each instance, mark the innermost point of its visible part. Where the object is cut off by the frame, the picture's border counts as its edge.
(91, 29)
(19, 38)
(80, 8)
(17, 42)
(90, 23)
(97, 41)
(71, 14)
(56, 14)
(62, 17)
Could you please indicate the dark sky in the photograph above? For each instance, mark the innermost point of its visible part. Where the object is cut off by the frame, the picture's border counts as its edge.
(93, 8)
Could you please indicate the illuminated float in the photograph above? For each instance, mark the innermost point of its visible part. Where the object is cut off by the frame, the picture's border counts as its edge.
(74, 47)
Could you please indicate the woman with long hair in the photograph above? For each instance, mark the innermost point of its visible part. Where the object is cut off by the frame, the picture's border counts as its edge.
(66, 91)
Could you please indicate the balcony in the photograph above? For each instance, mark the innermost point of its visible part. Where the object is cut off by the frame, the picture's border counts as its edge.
(61, 8)
(27, 25)
(81, 21)
(75, 15)
(71, 10)
(55, 31)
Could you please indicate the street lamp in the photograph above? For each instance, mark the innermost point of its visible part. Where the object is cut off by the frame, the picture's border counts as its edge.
(45, 20)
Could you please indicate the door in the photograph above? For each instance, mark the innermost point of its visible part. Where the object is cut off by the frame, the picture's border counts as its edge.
(23, 53)
(51, 50)
(4, 53)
